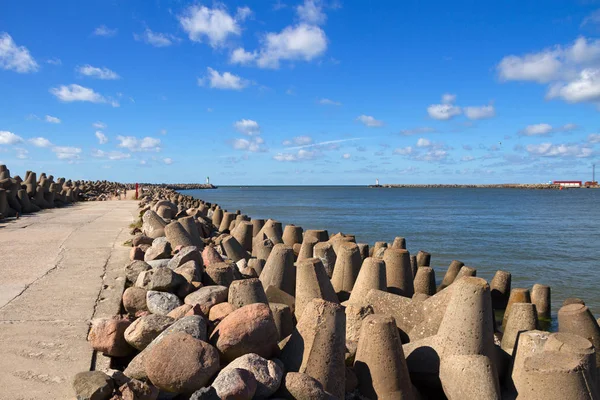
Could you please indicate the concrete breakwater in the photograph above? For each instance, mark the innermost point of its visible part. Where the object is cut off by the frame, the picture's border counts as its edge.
(219, 305)
(185, 186)
(537, 186)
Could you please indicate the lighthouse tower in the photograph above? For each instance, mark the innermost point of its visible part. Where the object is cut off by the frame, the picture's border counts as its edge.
(208, 180)
(377, 182)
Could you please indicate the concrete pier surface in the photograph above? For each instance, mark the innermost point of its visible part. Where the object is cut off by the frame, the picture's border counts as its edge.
(59, 269)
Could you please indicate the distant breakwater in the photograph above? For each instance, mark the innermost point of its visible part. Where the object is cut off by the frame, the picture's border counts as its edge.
(182, 186)
(537, 186)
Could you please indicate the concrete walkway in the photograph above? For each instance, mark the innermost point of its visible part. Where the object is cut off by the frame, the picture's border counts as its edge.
(58, 269)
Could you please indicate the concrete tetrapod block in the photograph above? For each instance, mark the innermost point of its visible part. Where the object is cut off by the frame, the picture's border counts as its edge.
(500, 286)
(261, 248)
(467, 328)
(517, 295)
(312, 282)
(423, 259)
(379, 364)
(469, 377)
(228, 217)
(317, 346)
(324, 252)
(284, 319)
(528, 343)
(271, 230)
(378, 248)
(246, 291)
(413, 265)
(425, 281)
(372, 275)
(217, 217)
(291, 235)
(233, 249)
(399, 243)
(320, 234)
(451, 273)
(28, 206)
(577, 319)
(540, 296)
(568, 342)
(178, 236)
(189, 224)
(307, 248)
(554, 375)
(465, 271)
(398, 272)
(279, 270)
(345, 272)
(364, 250)
(523, 317)
(257, 264)
(243, 234)
(257, 225)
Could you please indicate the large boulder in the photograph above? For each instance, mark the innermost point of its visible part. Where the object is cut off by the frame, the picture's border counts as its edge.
(92, 385)
(161, 302)
(145, 329)
(268, 373)
(153, 226)
(107, 335)
(235, 384)
(207, 297)
(181, 364)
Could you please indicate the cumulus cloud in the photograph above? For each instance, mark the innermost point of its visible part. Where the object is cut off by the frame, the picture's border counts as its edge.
(96, 72)
(102, 139)
(448, 98)
(247, 127)
(73, 92)
(214, 25)
(67, 152)
(111, 155)
(346, 156)
(253, 145)
(403, 151)
(594, 138)
(9, 138)
(52, 120)
(300, 155)
(225, 80)
(155, 39)
(311, 12)
(22, 154)
(40, 142)
(99, 125)
(422, 142)
(572, 71)
(298, 141)
(559, 150)
(135, 144)
(546, 129)
(328, 102)
(104, 31)
(15, 58)
(54, 61)
(445, 111)
(302, 42)
(369, 121)
(168, 161)
(481, 112)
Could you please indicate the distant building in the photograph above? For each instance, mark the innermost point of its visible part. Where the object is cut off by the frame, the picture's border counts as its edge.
(208, 180)
(568, 184)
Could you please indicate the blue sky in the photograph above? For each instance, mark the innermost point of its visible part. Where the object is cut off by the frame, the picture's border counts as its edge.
(301, 92)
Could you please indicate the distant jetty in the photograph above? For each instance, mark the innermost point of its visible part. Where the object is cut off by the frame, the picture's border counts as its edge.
(491, 186)
(186, 186)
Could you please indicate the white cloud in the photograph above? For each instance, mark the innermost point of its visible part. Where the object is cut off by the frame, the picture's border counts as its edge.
(40, 142)
(73, 92)
(99, 73)
(7, 137)
(585, 88)
(443, 111)
(346, 156)
(226, 80)
(448, 98)
(243, 13)
(481, 112)
(311, 12)
(15, 58)
(52, 120)
(559, 150)
(168, 161)
(329, 102)
(327, 145)
(415, 131)
(241, 56)
(163, 131)
(539, 67)
(403, 150)
(301, 155)
(99, 125)
(213, 24)
(155, 39)
(537, 130)
(298, 141)
(253, 145)
(594, 138)
(22, 154)
(67, 152)
(54, 61)
(134, 144)
(102, 139)
(111, 155)
(369, 121)
(301, 42)
(247, 127)
(422, 142)
(103, 30)
(467, 158)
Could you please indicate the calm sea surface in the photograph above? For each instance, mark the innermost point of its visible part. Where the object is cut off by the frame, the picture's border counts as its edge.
(540, 236)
